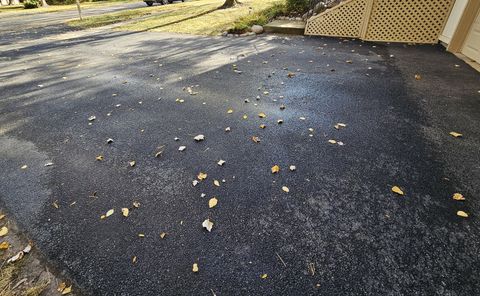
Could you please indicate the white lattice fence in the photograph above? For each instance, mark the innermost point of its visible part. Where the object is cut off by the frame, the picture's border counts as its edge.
(417, 21)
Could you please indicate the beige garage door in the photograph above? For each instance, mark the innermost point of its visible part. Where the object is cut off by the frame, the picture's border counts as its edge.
(471, 48)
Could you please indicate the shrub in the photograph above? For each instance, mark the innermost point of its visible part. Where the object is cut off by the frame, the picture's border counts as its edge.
(258, 18)
(29, 4)
(299, 6)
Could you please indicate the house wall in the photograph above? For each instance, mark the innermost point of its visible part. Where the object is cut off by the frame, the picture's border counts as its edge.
(453, 20)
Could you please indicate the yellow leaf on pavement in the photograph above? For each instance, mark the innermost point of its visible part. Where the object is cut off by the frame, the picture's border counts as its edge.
(202, 176)
(212, 202)
(285, 188)
(4, 245)
(275, 169)
(458, 196)
(195, 267)
(262, 115)
(67, 290)
(462, 214)
(397, 190)
(3, 231)
(264, 276)
(125, 212)
(109, 213)
(456, 135)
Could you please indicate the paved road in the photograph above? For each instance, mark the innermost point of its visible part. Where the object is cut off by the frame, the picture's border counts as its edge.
(22, 28)
(339, 230)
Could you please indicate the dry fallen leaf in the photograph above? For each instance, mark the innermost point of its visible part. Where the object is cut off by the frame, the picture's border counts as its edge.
(61, 286)
(141, 235)
(262, 115)
(162, 235)
(264, 276)
(158, 154)
(456, 135)
(109, 213)
(67, 290)
(256, 139)
(125, 212)
(202, 176)
(3, 231)
(397, 190)
(293, 168)
(291, 75)
(134, 259)
(332, 141)
(4, 245)
(24, 167)
(418, 77)
(230, 111)
(99, 157)
(2, 216)
(27, 249)
(207, 224)
(340, 125)
(275, 169)
(212, 202)
(199, 138)
(263, 126)
(216, 183)
(92, 118)
(221, 162)
(285, 188)
(195, 267)
(458, 196)
(109, 141)
(182, 148)
(17, 257)
(280, 121)
(132, 163)
(245, 116)
(462, 214)
(136, 204)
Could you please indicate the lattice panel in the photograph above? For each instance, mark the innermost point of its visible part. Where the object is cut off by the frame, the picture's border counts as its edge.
(417, 21)
(344, 20)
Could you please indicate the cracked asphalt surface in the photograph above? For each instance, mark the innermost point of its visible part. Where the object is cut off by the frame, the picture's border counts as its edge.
(339, 216)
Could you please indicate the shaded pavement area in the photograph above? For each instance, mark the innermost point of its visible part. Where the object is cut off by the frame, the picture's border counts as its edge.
(338, 231)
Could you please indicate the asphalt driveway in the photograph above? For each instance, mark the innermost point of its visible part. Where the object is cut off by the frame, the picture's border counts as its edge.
(338, 231)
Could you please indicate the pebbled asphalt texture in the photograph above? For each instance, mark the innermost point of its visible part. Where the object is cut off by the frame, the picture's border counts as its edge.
(339, 231)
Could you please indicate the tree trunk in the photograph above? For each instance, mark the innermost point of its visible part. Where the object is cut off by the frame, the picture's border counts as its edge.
(79, 9)
(44, 3)
(229, 3)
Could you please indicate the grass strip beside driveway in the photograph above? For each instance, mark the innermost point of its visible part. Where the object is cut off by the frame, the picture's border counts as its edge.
(200, 17)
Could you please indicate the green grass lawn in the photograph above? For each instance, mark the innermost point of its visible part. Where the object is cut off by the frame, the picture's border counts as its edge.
(199, 17)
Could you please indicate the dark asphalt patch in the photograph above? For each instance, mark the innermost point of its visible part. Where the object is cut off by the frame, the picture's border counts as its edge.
(339, 215)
